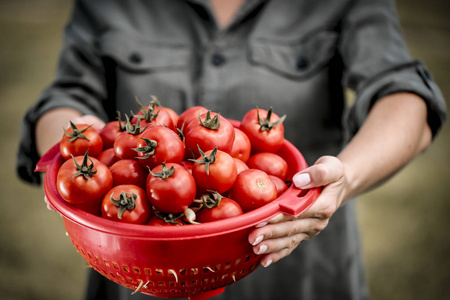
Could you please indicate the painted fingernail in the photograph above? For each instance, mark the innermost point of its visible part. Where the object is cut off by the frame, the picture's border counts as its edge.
(262, 249)
(300, 180)
(262, 224)
(258, 240)
(267, 263)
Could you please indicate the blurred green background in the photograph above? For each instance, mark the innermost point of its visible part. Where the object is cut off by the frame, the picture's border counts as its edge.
(404, 223)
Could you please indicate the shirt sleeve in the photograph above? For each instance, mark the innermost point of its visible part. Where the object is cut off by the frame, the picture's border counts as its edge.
(377, 64)
(79, 84)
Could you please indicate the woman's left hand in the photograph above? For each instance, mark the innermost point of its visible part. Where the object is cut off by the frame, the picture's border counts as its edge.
(279, 236)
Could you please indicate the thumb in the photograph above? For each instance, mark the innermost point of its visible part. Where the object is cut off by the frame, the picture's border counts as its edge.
(326, 170)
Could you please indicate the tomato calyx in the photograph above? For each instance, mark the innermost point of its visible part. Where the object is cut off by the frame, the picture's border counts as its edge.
(170, 218)
(84, 170)
(207, 160)
(165, 172)
(134, 129)
(266, 125)
(149, 149)
(211, 199)
(126, 201)
(210, 123)
(122, 127)
(148, 113)
(76, 133)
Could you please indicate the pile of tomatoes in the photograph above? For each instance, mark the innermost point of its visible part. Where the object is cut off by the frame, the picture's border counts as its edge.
(160, 168)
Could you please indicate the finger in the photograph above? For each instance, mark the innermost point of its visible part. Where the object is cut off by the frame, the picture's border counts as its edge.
(326, 170)
(274, 250)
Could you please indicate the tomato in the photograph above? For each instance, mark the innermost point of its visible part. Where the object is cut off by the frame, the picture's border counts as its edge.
(126, 203)
(172, 114)
(240, 165)
(159, 219)
(241, 146)
(158, 144)
(170, 188)
(112, 130)
(188, 165)
(253, 189)
(217, 208)
(128, 140)
(214, 170)
(153, 114)
(264, 129)
(83, 180)
(207, 132)
(78, 139)
(108, 157)
(191, 113)
(129, 171)
(279, 183)
(271, 163)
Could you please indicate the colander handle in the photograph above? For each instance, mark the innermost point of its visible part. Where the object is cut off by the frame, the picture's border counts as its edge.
(295, 201)
(47, 159)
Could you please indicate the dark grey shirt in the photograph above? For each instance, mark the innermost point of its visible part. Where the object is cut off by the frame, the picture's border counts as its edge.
(297, 56)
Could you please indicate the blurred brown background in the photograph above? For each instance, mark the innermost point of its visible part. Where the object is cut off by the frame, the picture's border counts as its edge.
(404, 224)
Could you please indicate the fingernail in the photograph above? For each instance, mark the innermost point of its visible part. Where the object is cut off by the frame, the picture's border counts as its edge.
(268, 263)
(300, 180)
(262, 249)
(262, 224)
(258, 240)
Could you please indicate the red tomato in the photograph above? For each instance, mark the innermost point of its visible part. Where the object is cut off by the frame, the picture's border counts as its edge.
(209, 131)
(128, 140)
(129, 171)
(217, 208)
(165, 220)
(172, 114)
(264, 129)
(241, 146)
(83, 180)
(158, 144)
(215, 170)
(253, 189)
(170, 188)
(153, 114)
(271, 163)
(78, 139)
(240, 165)
(188, 165)
(126, 203)
(191, 113)
(111, 130)
(279, 183)
(108, 157)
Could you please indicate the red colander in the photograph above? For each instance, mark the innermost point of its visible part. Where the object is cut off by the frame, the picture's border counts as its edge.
(192, 261)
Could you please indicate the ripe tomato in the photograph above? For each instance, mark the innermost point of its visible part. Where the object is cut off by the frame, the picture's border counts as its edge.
(83, 180)
(79, 138)
(129, 171)
(158, 144)
(108, 157)
(253, 189)
(216, 207)
(153, 114)
(159, 219)
(214, 170)
(271, 163)
(170, 188)
(207, 132)
(264, 129)
(240, 165)
(172, 114)
(191, 113)
(127, 140)
(241, 146)
(279, 183)
(126, 203)
(112, 130)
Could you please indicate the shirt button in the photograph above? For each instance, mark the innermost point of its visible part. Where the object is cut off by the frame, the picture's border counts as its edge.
(135, 58)
(218, 59)
(302, 63)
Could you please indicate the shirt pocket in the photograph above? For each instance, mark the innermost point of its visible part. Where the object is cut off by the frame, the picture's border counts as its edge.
(298, 59)
(141, 56)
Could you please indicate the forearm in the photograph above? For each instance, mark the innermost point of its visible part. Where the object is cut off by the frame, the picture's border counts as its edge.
(49, 128)
(395, 131)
